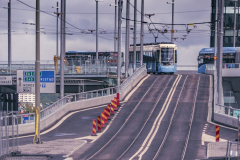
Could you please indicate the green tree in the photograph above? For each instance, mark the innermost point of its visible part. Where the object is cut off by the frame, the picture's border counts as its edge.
(30, 108)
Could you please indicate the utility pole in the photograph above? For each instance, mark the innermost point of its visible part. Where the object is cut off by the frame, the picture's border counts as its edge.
(57, 29)
(127, 39)
(135, 35)
(142, 32)
(215, 49)
(119, 43)
(9, 36)
(62, 49)
(37, 75)
(234, 27)
(172, 31)
(115, 28)
(220, 53)
(96, 29)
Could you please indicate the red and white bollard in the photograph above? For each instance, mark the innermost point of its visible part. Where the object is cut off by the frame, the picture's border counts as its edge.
(94, 133)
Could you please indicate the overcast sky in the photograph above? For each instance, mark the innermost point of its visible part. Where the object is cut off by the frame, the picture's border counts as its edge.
(81, 14)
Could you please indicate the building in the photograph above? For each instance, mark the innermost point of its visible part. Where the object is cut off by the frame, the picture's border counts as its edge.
(26, 97)
(227, 23)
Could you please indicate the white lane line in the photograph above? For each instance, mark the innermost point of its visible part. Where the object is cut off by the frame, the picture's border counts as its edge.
(154, 127)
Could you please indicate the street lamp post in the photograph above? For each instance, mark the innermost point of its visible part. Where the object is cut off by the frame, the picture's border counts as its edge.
(135, 35)
(142, 30)
(115, 26)
(127, 39)
(57, 29)
(172, 31)
(97, 27)
(9, 36)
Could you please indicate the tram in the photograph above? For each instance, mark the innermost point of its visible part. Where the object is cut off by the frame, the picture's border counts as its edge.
(159, 57)
(206, 56)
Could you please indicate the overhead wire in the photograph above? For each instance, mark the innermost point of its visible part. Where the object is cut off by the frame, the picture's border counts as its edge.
(60, 19)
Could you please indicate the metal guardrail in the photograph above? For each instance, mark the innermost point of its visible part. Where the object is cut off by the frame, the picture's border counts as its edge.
(100, 67)
(45, 113)
(8, 133)
(187, 67)
(225, 66)
(226, 110)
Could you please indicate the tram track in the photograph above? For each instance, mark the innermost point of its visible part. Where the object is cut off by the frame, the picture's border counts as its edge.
(170, 124)
(150, 114)
(133, 111)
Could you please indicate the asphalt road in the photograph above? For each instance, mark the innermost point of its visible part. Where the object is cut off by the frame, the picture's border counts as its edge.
(125, 141)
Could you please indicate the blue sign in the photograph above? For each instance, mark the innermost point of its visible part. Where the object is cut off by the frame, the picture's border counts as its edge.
(24, 119)
(45, 76)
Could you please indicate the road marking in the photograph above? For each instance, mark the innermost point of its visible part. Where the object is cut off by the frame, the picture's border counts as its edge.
(157, 121)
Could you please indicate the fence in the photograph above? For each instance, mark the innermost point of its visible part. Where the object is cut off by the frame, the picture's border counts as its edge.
(8, 133)
(74, 67)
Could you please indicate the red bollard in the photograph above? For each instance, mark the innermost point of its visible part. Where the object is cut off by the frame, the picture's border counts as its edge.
(114, 105)
(109, 107)
(104, 117)
(107, 113)
(217, 134)
(116, 101)
(94, 133)
(102, 120)
(118, 96)
(112, 110)
(99, 123)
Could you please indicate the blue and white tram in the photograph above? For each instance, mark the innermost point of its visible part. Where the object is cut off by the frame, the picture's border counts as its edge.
(159, 57)
(206, 56)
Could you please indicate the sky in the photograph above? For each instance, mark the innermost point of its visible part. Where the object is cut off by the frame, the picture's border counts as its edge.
(82, 15)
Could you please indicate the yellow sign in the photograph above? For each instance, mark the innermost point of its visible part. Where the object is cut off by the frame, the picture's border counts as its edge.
(172, 31)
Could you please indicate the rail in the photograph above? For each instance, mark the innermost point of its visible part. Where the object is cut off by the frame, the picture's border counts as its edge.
(45, 113)
(224, 66)
(187, 67)
(8, 133)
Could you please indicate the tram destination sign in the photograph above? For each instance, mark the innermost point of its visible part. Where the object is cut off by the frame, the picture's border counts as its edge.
(26, 81)
(5, 80)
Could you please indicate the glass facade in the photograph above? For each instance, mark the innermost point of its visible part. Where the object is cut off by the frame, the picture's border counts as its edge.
(228, 23)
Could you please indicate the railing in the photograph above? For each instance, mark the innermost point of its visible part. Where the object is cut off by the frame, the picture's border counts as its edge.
(93, 67)
(8, 133)
(210, 66)
(230, 65)
(45, 113)
(224, 65)
(187, 67)
(29, 118)
(226, 110)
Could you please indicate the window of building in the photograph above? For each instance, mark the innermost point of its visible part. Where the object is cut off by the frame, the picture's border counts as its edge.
(230, 32)
(229, 10)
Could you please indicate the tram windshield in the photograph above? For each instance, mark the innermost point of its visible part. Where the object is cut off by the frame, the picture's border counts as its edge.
(167, 56)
